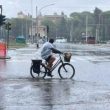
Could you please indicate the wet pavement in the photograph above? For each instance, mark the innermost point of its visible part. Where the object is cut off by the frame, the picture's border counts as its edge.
(88, 90)
(53, 94)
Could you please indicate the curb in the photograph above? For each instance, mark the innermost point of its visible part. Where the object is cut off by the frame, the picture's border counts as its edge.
(7, 57)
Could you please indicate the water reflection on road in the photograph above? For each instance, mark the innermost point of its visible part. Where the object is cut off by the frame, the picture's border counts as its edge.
(53, 94)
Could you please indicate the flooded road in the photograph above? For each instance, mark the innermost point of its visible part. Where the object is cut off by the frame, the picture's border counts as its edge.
(88, 90)
(53, 94)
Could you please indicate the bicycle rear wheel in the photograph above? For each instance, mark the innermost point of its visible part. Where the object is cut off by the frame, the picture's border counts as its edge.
(41, 74)
(66, 71)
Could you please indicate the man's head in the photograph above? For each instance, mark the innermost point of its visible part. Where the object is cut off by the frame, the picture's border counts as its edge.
(51, 41)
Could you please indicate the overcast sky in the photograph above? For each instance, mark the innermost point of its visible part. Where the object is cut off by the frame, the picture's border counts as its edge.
(12, 7)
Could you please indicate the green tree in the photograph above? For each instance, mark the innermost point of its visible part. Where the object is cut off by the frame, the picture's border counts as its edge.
(20, 26)
(79, 24)
(52, 28)
(97, 14)
(62, 28)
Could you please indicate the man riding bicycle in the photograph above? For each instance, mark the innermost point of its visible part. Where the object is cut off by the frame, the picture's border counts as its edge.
(47, 53)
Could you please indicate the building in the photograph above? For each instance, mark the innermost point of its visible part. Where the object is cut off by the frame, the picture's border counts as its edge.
(55, 18)
(42, 30)
(22, 15)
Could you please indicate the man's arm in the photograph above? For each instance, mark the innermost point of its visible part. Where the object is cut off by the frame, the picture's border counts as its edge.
(56, 51)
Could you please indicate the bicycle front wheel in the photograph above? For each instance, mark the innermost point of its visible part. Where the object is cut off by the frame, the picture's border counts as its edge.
(41, 74)
(66, 71)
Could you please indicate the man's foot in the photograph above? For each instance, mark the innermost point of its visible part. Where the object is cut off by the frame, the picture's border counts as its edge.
(49, 74)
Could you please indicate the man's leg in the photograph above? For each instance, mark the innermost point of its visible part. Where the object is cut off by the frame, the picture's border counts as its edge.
(50, 62)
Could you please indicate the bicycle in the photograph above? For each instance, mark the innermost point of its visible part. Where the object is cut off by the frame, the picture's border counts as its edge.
(39, 69)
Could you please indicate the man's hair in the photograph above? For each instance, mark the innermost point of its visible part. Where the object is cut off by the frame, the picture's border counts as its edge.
(51, 40)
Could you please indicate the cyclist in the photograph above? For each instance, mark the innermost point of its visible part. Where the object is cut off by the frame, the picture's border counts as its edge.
(47, 53)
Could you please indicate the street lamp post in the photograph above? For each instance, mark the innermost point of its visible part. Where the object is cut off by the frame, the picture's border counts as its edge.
(1, 9)
(32, 22)
(86, 28)
(46, 6)
(37, 18)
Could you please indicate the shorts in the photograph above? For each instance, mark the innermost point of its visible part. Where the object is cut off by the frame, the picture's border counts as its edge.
(47, 59)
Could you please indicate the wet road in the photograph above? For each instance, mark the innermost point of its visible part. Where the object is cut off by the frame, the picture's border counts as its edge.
(88, 90)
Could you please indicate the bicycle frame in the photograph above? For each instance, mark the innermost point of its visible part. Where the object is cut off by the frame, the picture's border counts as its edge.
(45, 71)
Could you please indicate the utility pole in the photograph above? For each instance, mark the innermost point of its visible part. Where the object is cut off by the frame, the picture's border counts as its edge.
(32, 21)
(2, 21)
(37, 43)
(86, 27)
(1, 27)
(71, 31)
(8, 28)
(1, 9)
